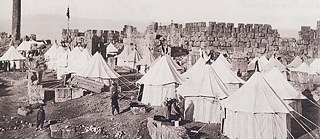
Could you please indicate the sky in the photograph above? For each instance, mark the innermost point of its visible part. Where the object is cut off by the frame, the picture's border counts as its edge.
(281, 14)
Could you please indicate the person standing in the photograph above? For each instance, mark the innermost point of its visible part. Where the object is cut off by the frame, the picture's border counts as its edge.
(239, 74)
(40, 118)
(114, 97)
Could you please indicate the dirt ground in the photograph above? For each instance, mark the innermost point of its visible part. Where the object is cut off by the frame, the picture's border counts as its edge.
(91, 110)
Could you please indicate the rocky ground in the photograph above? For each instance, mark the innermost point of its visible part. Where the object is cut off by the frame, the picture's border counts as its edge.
(90, 114)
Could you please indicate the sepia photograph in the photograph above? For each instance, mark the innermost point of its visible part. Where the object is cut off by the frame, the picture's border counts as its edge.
(159, 69)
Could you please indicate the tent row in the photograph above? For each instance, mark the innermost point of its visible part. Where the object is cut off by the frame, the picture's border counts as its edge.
(261, 108)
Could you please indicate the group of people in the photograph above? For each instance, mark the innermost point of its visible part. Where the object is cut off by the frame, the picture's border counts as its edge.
(6, 66)
(174, 108)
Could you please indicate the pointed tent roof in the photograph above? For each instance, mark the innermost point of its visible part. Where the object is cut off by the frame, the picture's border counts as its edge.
(224, 60)
(111, 49)
(80, 62)
(304, 67)
(274, 63)
(280, 85)
(11, 55)
(256, 96)
(147, 59)
(208, 85)
(261, 62)
(98, 68)
(162, 72)
(315, 65)
(225, 74)
(24, 46)
(195, 69)
(51, 51)
(134, 56)
(74, 54)
(177, 67)
(58, 53)
(62, 61)
(124, 53)
(295, 63)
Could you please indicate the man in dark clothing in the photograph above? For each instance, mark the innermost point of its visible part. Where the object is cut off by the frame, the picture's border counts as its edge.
(40, 118)
(114, 97)
(239, 74)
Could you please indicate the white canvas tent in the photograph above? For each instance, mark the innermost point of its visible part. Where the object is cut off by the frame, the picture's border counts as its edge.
(98, 68)
(121, 58)
(262, 61)
(26, 45)
(315, 65)
(57, 55)
(224, 60)
(12, 55)
(160, 82)
(194, 70)
(111, 49)
(49, 56)
(231, 81)
(78, 60)
(62, 62)
(274, 63)
(204, 92)
(146, 61)
(295, 62)
(177, 67)
(305, 68)
(255, 111)
(284, 89)
(133, 58)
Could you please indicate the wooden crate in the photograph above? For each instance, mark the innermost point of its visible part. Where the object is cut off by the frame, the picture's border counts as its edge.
(87, 84)
(63, 94)
(35, 93)
(76, 93)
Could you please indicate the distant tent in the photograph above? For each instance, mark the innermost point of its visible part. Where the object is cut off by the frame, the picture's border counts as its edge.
(305, 68)
(160, 82)
(98, 68)
(133, 58)
(177, 67)
(284, 89)
(262, 61)
(255, 111)
(230, 80)
(295, 63)
(12, 55)
(224, 60)
(51, 51)
(57, 55)
(315, 65)
(146, 61)
(79, 62)
(121, 58)
(195, 69)
(205, 93)
(274, 63)
(49, 56)
(26, 45)
(302, 74)
(62, 63)
(111, 49)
